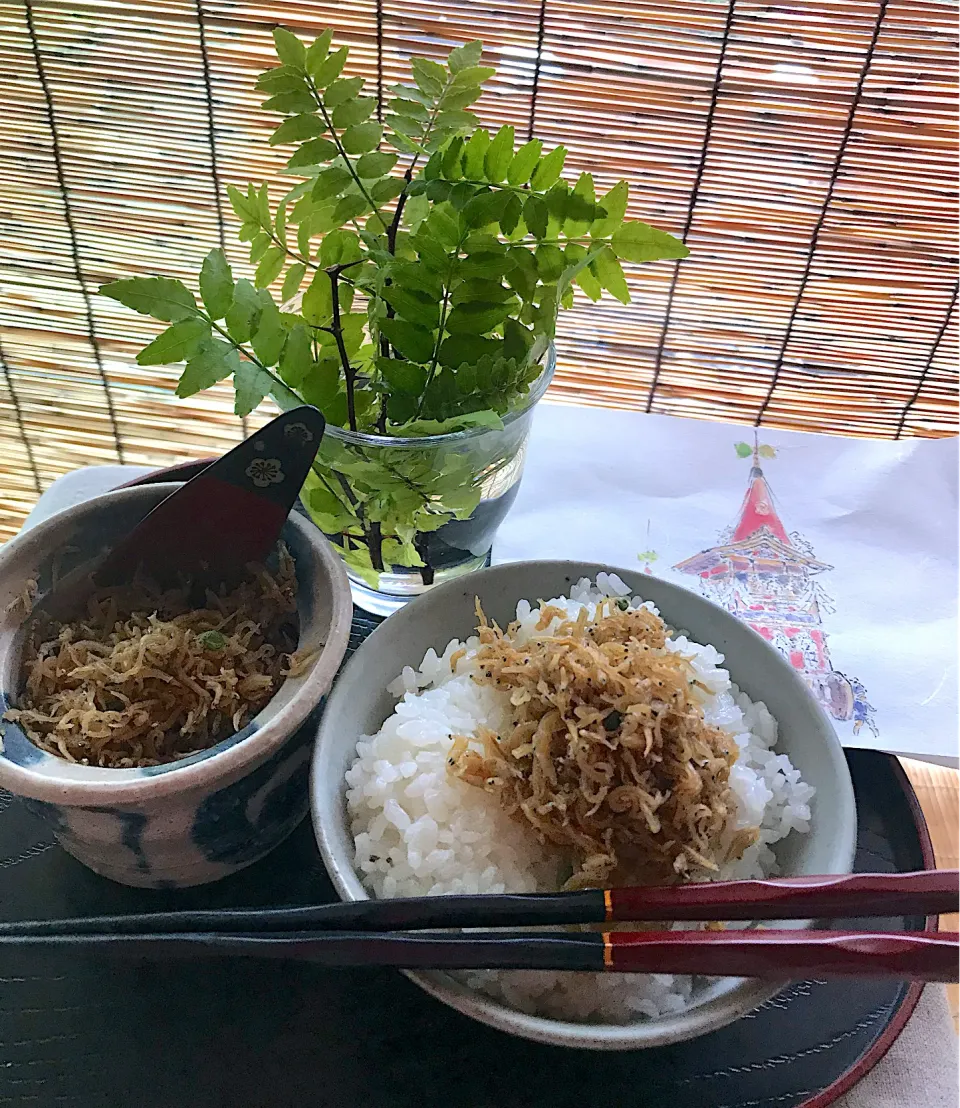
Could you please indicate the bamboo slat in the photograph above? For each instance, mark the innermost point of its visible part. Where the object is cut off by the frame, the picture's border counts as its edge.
(807, 153)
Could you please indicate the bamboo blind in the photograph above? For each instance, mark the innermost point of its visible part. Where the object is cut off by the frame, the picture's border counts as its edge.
(805, 151)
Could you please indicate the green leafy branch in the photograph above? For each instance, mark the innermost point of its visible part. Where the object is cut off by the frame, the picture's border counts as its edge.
(419, 286)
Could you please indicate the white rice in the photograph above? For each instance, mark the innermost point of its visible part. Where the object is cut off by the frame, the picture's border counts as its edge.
(420, 831)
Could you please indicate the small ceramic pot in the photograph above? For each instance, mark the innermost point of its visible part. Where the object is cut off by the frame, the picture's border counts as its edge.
(208, 815)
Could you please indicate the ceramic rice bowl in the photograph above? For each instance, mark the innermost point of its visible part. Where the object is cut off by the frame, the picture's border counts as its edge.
(360, 703)
(208, 815)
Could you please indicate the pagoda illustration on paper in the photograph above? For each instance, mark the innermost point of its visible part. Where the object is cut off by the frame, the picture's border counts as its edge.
(769, 579)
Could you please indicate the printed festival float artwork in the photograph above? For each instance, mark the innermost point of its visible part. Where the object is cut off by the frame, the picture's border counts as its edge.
(769, 579)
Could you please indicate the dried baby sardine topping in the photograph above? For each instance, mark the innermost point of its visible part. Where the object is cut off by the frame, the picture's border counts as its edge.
(608, 754)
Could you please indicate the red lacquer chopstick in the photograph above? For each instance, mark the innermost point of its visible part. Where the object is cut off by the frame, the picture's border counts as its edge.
(851, 896)
(917, 955)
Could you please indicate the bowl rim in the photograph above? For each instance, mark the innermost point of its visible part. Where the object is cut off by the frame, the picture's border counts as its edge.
(73, 792)
(742, 995)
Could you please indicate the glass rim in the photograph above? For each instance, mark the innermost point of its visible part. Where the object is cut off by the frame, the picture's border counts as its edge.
(537, 389)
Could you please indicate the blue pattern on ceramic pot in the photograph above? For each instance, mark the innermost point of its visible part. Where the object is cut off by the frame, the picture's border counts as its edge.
(207, 815)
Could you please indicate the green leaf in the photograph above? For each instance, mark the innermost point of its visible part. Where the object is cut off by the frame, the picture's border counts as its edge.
(251, 384)
(317, 307)
(451, 163)
(402, 143)
(463, 503)
(455, 350)
(462, 57)
(178, 342)
(550, 262)
(362, 138)
(212, 640)
(297, 356)
(159, 297)
(262, 198)
(216, 284)
(421, 427)
(246, 212)
(322, 382)
(404, 377)
(322, 499)
(341, 91)
(472, 75)
(430, 76)
(523, 162)
(413, 306)
(414, 342)
(290, 50)
(374, 165)
(484, 208)
(303, 238)
(517, 340)
(485, 265)
(290, 103)
(581, 207)
(405, 125)
(297, 128)
(570, 273)
(474, 153)
(410, 108)
(291, 281)
(416, 211)
(326, 72)
(574, 254)
(614, 205)
(349, 207)
(458, 98)
(283, 78)
(443, 228)
(313, 153)
(269, 268)
(536, 216)
(351, 112)
(607, 270)
(548, 170)
(481, 289)
(639, 242)
(259, 246)
(452, 119)
(242, 315)
(212, 363)
(270, 335)
(510, 216)
(499, 154)
(357, 559)
(418, 277)
(476, 318)
(387, 189)
(743, 449)
(318, 49)
(331, 182)
(522, 275)
(766, 451)
(340, 245)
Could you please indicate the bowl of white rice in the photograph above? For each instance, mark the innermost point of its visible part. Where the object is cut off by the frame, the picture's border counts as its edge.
(391, 819)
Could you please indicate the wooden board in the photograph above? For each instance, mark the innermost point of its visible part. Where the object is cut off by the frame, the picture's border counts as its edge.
(938, 790)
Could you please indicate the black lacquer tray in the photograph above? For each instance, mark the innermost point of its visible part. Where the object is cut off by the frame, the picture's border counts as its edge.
(78, 1031)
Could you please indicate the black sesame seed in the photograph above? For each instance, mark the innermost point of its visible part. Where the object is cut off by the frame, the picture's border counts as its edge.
(612, 721)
